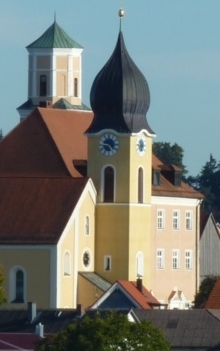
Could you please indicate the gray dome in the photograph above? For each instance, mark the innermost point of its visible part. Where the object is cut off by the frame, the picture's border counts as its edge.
(120, 95)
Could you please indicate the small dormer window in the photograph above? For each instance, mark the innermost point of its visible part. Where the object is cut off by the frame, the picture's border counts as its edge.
(177, 178)
(156, 177)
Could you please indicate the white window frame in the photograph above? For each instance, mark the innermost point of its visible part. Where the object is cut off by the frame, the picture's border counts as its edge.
(176, 259)
(160, 258)
(188, 260)
(160, 219)
(107, 263)
(176, 219)
(188, 217)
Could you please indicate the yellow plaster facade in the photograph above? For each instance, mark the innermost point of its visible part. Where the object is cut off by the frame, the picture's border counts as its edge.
(123, 227)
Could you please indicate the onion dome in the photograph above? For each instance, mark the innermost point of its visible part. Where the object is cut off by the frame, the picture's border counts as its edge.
(120, 95)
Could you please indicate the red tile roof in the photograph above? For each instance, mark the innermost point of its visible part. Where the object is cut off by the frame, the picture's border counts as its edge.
(45, 144)
(145, 299)
(213, 301)
(49, 142)
(36, 210)
(19, 341)
(166, 188)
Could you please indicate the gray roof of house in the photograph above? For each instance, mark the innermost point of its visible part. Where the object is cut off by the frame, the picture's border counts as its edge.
(185, 328)
(96, 280)
(54, 320)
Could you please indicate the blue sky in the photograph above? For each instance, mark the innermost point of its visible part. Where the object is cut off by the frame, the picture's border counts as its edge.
(175, 43)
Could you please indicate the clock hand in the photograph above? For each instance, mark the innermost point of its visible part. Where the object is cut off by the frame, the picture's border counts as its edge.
(109, 146)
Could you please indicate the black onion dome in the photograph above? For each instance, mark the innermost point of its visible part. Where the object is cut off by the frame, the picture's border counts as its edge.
(120, 95)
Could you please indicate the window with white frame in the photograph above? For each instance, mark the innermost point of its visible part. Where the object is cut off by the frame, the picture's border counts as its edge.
(160, 219)
(160, 258)
(176, 259)
(67, 264)
(107, 263)
(176, 219)
(188, 220)
(87, 225)
(188, 259)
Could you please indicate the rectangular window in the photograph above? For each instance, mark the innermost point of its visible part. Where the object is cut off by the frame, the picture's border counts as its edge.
(160, 259)
(176, 219)
(188, 259)
(160, 219)
(176, 259)
(188, 220)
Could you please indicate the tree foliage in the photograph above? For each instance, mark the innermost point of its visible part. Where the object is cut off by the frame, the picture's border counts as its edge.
(114, 332)
(170, 154)
(208, 183)
(204, 291)
(2, 291)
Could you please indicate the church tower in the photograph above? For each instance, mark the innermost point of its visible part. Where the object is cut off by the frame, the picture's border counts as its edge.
(54, 73)
(119, 162)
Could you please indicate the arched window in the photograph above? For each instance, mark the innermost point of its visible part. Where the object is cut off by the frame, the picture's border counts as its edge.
(75, 87)
(43, 85)
(67, 263)
(87, 225)
(17, 285)
(109, 184)
(140, 185)
(140, 265)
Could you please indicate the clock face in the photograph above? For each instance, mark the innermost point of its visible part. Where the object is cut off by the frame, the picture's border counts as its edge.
(108, 144)
(141, 145)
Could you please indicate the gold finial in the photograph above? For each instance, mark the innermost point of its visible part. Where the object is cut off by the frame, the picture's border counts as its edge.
(121, 14)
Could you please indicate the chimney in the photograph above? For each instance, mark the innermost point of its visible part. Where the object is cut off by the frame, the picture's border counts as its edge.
(39, 330)
(31, 311)
(79, 310)
(139, 284)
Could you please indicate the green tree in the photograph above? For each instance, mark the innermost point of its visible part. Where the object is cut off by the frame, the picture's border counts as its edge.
(170, 154)
(208, 183)
(113, 332)
(2, 291)
(204, 291)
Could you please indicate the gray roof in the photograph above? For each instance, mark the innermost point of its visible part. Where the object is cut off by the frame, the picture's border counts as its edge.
(185, 328)
(54, 320)
(96, 280)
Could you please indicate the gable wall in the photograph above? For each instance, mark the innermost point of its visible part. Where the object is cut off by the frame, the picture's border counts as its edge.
(75, 241)
(209, 251)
